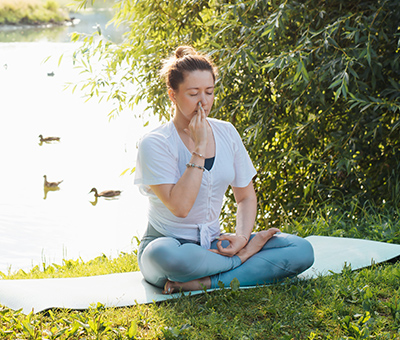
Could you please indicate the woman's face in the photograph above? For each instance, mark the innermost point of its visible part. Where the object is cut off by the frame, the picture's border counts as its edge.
(198, 86)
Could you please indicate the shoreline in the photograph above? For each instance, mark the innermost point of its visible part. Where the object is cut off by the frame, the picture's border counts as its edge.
(39, 13)
(32, 12)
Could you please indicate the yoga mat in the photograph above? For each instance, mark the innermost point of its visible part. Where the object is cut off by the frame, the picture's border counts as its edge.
(127, 289)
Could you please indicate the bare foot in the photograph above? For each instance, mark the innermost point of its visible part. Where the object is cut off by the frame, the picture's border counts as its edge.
(199, 284)
(256, 243)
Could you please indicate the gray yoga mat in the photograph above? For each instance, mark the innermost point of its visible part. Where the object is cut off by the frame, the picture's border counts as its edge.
(127, 289)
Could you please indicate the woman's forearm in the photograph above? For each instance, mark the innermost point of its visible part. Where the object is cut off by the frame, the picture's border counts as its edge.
(246, 216)
(184, 193)
(246, 200)
(179, 198)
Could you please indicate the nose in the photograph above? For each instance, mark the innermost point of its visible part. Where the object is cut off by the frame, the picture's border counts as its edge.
(203, 100)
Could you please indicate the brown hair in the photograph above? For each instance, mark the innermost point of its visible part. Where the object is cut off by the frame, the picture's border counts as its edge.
(185, 59)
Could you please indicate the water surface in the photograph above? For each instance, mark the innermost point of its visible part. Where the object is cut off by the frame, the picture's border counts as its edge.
(36, 226)
(87, 22)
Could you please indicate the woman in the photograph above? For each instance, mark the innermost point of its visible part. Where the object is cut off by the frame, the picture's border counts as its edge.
(185, 168)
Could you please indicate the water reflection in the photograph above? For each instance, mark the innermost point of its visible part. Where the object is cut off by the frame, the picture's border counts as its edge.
(94, 203)
(24, 33)
(86, 22)
(47, 189)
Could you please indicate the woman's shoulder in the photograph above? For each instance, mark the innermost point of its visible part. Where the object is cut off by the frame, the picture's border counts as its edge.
(222, 124)
(161, 132)
(158, 138)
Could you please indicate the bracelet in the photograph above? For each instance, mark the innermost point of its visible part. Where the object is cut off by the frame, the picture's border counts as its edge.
(192, 165)
(198, 154)
(247, 240)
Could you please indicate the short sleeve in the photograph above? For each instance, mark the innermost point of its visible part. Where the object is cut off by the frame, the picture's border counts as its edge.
(243, 166)
(156, 163)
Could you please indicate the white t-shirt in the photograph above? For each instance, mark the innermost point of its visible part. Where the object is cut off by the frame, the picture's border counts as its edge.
(162, 159)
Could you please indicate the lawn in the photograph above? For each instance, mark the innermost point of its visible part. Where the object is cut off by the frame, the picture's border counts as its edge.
(362, 304)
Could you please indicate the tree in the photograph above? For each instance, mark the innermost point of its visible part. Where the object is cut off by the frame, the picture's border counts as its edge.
(313, 87)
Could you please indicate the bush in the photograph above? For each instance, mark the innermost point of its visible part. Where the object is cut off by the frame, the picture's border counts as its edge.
(31, 12)
(312, 87)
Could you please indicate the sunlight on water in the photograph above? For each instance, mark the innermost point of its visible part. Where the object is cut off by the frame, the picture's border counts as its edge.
(92, 152)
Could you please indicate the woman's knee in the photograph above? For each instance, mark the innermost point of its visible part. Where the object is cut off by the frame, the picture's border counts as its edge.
(305, 253)
(168, 255)
(160, 249)
(301, 250)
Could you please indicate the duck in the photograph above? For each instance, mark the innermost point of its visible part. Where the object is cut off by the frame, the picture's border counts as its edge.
(49, 139)
(50, 184)
(106, 193)
(72, 21)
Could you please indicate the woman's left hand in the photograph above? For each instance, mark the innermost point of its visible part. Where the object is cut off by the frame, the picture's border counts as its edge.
(236, 243)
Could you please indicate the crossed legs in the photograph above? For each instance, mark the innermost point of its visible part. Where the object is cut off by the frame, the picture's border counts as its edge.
(254, 246)
(165, 262)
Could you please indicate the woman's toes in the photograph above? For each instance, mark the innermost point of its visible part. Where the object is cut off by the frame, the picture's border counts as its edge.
(168, 289)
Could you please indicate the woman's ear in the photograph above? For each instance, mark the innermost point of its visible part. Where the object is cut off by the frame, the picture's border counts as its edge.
(171, 95)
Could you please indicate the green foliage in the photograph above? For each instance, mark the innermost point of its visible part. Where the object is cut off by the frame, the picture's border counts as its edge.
(31, 12)
(313, 87)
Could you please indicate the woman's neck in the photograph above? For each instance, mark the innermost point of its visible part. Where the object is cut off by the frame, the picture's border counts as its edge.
(180, 124)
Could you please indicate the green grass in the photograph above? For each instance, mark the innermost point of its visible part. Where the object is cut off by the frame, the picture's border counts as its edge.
(76, 268)
(31, 12)
(362, 304)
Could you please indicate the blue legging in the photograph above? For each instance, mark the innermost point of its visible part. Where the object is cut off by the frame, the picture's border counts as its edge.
(165, 258)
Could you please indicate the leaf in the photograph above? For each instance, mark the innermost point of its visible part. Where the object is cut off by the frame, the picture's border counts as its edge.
(395, 126)
(365, 107)
(133, 330)
(353, 72)
(344, 89)
(73, 330)
(235, 284)
(268, 30)
(337, 93)
(335, 83)
(45, 60)
(304, 72)
(333, 42)
(59, 60)
(27, 326)
(125, 171)
(369, 54)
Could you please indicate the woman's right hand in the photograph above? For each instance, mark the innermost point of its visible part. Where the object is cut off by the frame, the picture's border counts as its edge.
(197, 129)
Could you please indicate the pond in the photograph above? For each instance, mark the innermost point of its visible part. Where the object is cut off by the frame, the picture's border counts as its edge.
(38, 226)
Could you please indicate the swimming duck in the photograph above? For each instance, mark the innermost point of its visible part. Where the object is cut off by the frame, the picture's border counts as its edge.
(48, 139)
(50, 184)
(106, 193)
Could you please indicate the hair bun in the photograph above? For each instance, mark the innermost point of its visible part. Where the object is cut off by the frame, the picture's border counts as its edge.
(183, 51)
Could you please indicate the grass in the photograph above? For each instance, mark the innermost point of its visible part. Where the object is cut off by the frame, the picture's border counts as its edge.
(75, 268)
(31, 12)
(362, 304)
